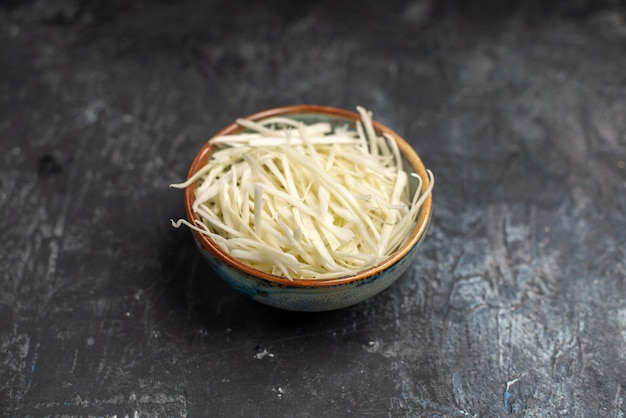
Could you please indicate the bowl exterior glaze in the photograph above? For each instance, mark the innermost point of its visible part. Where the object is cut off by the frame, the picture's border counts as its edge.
(301, 294)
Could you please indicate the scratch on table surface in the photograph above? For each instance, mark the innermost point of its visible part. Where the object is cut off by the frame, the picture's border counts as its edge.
(52, 259)
(497, 235)
(457, 388)
(508, 396)
(33, 366)
(74, 361)
(618, 402)
(267, 387)
(621, 321)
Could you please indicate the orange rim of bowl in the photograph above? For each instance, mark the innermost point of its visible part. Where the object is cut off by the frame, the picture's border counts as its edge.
(406, 150)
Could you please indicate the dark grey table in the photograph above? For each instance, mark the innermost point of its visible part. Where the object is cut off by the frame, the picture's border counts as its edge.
(517, 306)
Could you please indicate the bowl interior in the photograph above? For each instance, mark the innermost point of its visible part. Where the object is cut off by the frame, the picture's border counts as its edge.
(313, 114)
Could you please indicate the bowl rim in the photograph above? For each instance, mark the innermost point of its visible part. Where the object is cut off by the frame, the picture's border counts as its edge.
(407, 152)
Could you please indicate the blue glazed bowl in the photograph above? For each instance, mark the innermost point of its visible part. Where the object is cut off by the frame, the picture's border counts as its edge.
(312, 294)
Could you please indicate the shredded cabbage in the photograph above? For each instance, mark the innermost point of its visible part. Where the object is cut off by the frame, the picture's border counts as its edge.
(306, 201)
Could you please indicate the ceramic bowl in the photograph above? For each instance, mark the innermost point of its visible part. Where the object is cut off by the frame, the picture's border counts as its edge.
(312, 294)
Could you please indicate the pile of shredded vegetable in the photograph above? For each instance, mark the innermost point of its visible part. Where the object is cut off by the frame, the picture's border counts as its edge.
(306, 201)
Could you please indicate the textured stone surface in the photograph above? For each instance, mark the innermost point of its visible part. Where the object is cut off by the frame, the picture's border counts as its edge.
(516, 307)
